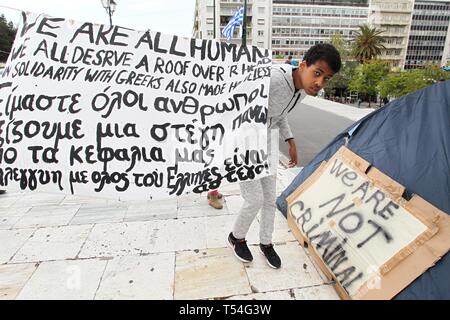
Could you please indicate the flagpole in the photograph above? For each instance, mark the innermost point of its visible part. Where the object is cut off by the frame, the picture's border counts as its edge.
(244, 25)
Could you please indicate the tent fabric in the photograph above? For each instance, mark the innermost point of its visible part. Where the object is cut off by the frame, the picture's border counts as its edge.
(408, 140)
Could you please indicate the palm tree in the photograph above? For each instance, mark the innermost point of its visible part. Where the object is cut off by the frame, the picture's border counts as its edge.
(367, 43)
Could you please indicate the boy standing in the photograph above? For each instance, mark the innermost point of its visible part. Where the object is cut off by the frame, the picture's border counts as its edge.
(288, 86)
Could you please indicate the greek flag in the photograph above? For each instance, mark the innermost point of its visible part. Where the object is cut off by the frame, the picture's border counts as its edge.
(236, 20)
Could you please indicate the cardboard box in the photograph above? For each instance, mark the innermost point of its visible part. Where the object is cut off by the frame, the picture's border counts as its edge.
(416, 234)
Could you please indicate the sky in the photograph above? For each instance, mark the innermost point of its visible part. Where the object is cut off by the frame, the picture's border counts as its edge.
(175, 17)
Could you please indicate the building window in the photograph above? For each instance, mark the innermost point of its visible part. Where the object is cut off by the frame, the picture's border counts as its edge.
(210, 33)
(261, 21)
(260, 44)
(260, 33)
(209, 20)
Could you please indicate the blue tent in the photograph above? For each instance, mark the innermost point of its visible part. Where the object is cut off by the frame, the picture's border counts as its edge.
(409, 140)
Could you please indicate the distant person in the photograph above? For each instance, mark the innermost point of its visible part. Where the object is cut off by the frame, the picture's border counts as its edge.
(288, 86)
(288, 60)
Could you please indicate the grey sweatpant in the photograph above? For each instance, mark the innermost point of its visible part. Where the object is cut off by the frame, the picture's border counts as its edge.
(257, 194)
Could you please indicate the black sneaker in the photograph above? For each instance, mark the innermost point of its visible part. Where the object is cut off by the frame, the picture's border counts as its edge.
(239, 246)
(272, 258)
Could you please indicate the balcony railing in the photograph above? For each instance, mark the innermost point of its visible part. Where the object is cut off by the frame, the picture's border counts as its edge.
(401, 34)
(231, 11)
(235, 2)
(394, 45)
(393, 22)
(387, 7)
(296, 14)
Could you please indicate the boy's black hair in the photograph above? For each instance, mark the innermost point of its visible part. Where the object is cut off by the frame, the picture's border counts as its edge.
(324, 52)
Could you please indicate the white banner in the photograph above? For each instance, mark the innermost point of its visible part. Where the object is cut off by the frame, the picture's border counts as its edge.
(108, 111)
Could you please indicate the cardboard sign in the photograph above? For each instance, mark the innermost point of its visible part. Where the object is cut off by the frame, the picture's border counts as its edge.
(109, 111)
(360, 229)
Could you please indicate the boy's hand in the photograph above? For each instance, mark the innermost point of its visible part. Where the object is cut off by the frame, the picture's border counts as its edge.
(292, 153)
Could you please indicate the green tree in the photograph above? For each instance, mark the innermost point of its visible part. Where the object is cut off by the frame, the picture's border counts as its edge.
(368, 43)
(434, 73)
(341, 81)
(338, 41)
(398, 84)
(7, 36)
(367, 78)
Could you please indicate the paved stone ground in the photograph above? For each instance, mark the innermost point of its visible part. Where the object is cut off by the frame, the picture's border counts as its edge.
(348, 111)
(66, 247)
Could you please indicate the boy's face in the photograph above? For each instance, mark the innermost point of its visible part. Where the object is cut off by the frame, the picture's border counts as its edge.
(314, 77)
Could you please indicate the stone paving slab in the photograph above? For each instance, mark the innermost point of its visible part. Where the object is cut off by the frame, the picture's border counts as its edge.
(7, 222)
(46, 216)
(14, 212)
(119, 239)
(296, 271)
(9, 217)
(38, 199)
(180, 234)
(53, 243)
(11, 241)
(151, 210)
(211, 273)
(99, 213)
(13, 278)
(139, 278)
(92, 248)
(200, 208)
(271, 295)
(62, 280)
(323, 292)
(340, 109)
(81, 200)
(8, 199)
(218, 228)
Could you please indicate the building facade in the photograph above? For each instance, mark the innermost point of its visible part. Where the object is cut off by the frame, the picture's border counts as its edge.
(429, 34)
(394, 18)
(259, 13)
(288, 27)
(299, 24)
(416, 33)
